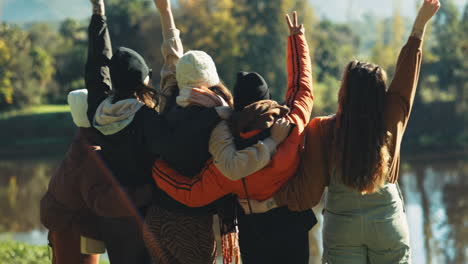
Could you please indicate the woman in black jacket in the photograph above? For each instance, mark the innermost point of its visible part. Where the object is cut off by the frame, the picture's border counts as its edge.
(134, 133)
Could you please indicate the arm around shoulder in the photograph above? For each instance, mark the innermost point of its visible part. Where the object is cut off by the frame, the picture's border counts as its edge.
(305, 189)
(236, 164)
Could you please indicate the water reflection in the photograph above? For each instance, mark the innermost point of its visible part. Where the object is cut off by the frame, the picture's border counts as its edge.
(434, 192)
(22, 184)
(437, 210)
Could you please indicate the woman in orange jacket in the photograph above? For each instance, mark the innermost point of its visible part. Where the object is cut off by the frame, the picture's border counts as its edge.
(258, 235)
(210, 184)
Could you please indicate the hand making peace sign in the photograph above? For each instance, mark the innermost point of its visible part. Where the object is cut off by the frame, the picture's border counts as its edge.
(294, 28)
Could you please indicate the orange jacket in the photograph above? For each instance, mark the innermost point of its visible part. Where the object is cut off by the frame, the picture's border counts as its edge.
(210, 185)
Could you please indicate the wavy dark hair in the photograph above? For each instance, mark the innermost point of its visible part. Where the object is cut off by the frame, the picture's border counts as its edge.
(144, 93)
(359, 146)
(221, 90)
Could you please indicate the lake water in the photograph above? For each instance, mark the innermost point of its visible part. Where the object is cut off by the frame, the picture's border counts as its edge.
(435, 188)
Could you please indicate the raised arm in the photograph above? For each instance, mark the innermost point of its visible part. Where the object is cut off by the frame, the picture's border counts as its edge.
(97, 76)
(237, 164)
(409, 62)
(299, 95)
(172, 50)
(400, 95)
(210, 184)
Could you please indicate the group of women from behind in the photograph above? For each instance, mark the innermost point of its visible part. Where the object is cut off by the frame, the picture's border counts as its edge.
(149, 168)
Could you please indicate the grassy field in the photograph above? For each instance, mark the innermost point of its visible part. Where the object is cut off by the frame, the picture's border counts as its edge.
(44, 130)
(12, 252)
(47, 130)
(35, 110)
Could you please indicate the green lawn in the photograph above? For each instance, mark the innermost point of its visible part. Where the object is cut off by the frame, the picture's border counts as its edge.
(45, 129)
(13, 252)
(34, 110)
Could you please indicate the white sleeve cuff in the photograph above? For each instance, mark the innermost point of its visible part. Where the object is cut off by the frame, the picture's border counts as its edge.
(270, 144)
(224, 112)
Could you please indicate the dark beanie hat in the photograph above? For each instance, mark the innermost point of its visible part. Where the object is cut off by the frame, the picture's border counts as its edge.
(250, 87)
(128, 70)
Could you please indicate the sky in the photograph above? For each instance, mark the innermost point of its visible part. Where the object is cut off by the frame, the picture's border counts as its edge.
(337, 10)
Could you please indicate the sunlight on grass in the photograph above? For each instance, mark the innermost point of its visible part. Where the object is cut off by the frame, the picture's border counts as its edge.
(34, 110)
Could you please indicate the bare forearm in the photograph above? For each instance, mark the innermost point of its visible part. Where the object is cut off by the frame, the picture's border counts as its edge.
(167, 22)
(419, 28)
(427, 11)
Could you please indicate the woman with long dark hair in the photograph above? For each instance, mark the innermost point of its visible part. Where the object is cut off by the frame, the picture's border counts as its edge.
(356, 153)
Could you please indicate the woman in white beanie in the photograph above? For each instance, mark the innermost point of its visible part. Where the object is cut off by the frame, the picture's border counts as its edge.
(133, 132)
(213, 183)
(196, 74)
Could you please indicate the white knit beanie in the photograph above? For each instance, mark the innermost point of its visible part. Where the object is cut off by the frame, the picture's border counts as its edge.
(78, 101)
(194, 69)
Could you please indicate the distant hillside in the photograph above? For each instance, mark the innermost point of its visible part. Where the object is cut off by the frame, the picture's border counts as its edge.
(337, 10)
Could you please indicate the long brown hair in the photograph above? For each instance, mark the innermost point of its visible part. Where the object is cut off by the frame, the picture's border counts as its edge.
(221, 90)
(144, 93)
(359, 146)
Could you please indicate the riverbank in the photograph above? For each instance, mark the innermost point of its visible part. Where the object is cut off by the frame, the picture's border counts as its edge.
(48, 129)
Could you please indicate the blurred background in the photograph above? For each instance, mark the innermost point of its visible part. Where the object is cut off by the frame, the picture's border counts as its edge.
(43, 50)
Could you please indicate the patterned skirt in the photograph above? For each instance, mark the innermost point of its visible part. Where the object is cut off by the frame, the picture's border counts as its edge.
(175, 238)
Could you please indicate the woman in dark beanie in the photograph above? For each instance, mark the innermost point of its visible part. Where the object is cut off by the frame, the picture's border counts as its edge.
(193, 74)
(222, 175)
(83, 199)
(211, 184)
(135, 134)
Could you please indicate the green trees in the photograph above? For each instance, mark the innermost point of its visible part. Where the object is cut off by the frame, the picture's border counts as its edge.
(443, 91)
(211, 26)
(6, 89)
(451, 49)
(39, 64)
(25, 70)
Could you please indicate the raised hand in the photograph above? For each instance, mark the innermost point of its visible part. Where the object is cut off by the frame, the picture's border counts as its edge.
(427, 11)
(98, 7)
(294, 28)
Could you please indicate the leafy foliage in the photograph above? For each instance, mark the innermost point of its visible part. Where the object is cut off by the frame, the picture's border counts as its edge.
(20, 253)
(40, 65)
